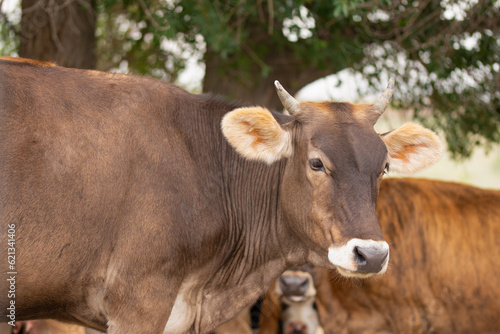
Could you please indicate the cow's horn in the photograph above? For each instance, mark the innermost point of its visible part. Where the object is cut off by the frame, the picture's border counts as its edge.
(383, 101)
(288, 101)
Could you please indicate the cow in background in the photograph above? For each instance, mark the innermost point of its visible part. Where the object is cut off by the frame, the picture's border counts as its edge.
(296, 292)
(444, 273)
(289, 305)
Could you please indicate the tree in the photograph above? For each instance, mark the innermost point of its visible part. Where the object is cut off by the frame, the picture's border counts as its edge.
(61, 31)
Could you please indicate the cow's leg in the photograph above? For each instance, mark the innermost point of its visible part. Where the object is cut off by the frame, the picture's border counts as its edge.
(142, 307)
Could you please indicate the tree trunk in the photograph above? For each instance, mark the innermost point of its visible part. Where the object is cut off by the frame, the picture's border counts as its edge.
(259, 89)
(60, 31)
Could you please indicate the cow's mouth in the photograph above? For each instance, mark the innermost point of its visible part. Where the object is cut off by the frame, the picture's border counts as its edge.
(296, 299)
(360, 258)
(350, 273)
(296, 327)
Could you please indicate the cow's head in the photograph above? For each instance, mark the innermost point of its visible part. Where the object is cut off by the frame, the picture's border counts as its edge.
(295, 289)
(296, 285)
(335, 161)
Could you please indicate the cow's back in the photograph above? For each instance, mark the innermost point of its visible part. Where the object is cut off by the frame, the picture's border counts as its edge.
(442, 277)
(84, 156)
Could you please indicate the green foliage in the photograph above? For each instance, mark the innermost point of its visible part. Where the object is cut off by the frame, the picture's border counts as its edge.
(9, 39)
(9, 43)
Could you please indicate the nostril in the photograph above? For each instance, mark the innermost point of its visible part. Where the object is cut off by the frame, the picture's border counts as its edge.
(297, 327)
(359, 257)
(370, 259)
(293, 285)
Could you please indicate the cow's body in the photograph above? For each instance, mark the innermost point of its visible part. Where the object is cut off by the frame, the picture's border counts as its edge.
(103, 191)
(131, 208)
(444, 271)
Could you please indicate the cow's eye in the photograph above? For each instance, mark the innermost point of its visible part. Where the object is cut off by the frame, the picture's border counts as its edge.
(386, 168)
(316, 165)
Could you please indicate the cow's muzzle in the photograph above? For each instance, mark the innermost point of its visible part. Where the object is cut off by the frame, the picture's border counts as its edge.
(360, 257)
(294, 287)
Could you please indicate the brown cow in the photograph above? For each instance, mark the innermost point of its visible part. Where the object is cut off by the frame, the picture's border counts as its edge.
(444, 273)
(136, 206)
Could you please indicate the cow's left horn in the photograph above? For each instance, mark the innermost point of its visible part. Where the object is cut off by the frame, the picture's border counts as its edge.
(383, 101)
(288, 101)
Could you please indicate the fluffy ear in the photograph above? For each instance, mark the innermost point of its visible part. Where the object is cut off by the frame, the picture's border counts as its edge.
(256, 135)
(411, 148)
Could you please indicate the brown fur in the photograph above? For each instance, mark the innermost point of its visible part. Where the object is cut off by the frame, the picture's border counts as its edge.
(238, 325)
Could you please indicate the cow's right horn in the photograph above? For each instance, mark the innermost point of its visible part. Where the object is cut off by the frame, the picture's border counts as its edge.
(288, 101)
(383, 101)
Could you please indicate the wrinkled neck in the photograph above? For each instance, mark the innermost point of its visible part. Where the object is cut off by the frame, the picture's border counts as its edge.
(257, 231)
(250, 198)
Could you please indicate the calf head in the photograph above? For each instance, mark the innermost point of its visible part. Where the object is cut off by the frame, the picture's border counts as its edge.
(335, 162)
(296, 285)
(296, 292)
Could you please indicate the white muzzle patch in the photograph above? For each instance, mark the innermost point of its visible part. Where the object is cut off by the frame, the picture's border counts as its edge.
(346, 258)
